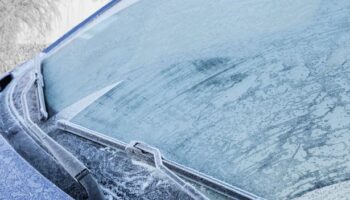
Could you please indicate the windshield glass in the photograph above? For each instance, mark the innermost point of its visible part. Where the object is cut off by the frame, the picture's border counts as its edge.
(254, 93)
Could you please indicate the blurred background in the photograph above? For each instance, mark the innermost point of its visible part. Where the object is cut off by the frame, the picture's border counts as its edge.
(28, 26)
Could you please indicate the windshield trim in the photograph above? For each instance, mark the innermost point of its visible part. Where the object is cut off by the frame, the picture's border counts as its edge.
(111, 8)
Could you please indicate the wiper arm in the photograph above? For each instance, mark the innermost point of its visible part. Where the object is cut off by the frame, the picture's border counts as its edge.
(147, 151)
(72, 165)
(142, 149)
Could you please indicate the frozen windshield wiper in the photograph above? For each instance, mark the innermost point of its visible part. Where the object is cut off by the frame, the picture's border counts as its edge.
(171, 169)
(40, 86)
(141, 149)
(72, 165)
(149, 152)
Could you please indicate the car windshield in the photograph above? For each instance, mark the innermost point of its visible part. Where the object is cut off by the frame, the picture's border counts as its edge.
(253, 93)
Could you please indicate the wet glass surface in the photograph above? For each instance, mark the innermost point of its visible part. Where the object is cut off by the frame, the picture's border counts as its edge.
(254, 93)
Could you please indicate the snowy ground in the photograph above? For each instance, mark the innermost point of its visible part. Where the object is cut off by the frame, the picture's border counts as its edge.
(20, 41)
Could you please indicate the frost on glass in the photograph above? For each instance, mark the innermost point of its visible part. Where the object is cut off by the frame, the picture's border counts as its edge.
(254, 93)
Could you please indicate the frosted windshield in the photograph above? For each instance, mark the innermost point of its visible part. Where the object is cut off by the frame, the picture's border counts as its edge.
(254, 93)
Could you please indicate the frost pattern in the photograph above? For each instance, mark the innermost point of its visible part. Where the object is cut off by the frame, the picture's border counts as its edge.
(255, 93)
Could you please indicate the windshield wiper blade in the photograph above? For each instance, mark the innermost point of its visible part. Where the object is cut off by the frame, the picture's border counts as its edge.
(72, 165)
(141, 149)
(39, 81)
(147, 151)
